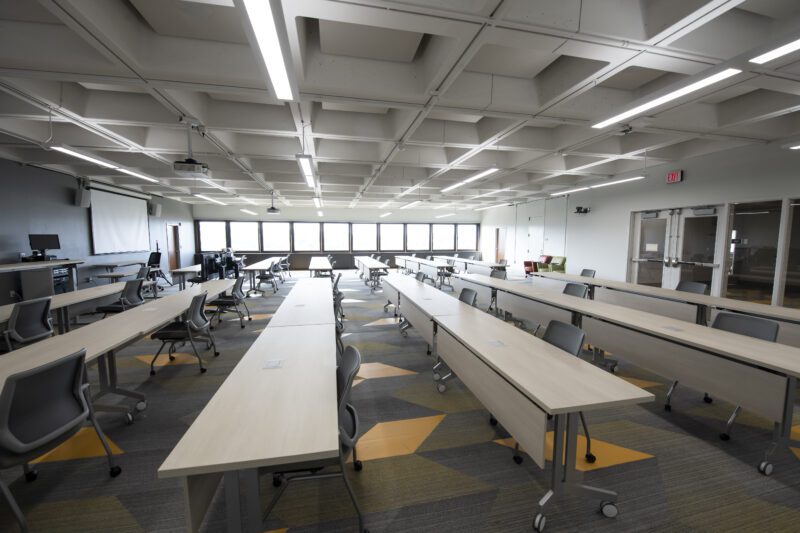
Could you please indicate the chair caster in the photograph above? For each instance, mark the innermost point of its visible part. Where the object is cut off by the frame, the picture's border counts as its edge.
(441, 387)
(141, 406)
(590, 458)
(115, 471)
(128, 419)
(539, 521)
(276, 481)
(436, 376)
(668, 408)
(614, 369)
(216, 354)
(242, 326)
(609, 509)
(708, 399)
(518, 459)
(250, 318)
(171, 357)
(724, 436)
(152, 372)
(31, 475)
(203, 370)
(492, 421)
(766, 468)
(358, 466)
(428, 352)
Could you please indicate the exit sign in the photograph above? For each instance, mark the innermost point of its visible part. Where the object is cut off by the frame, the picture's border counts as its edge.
(676, 176)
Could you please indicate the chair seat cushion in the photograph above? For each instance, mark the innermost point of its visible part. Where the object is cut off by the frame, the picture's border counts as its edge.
(172, 331)
(113, 308)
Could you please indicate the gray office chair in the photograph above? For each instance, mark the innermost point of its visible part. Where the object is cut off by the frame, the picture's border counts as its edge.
(277, 271)
(498, 274)
(588, 273)
(348, 438)
(194, 326)
(286, 265)
(131, 297)
(694, 287)
(226, 303)
(41, 408)
(576, 289)
(468, 296)
(268, 276)
(503, 262)
(420, 276)
(29, 322)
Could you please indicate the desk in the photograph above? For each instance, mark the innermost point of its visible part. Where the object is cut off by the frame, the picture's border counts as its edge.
(681, 305)
(757, 375)
(367, 268)
(309, 303)
(521, 379)
(433, 269)
(102, 338)
(320, 265)
(183, 272)
(111, 267)
(472, 266)
(418, 302)
(71, 264)
(264, 418)
(261, 266)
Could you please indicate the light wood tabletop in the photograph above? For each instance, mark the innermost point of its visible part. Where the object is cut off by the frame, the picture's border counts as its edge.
(464, 260)
(369, 263)
(319, 263)
(422, 261)
(67, 299)
(187, 270)
(264, 264)
(310, 302)
(37, 265)
(428, 299)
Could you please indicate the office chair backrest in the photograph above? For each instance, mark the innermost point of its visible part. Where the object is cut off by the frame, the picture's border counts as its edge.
(503, 262)
(413, 255)
(132, 293)
(420, 276)
(379, 258)
(345, 373)
(336, 282)
(30, 320)
(429, 257)
(499, 274)
(237, 291)
(694, 287)
(576, 289)
(565, 336)
(751, 326)
(154, 260)
(143, 272)
(588, 273)
(195, 316)
(468, 296)
(41, 404)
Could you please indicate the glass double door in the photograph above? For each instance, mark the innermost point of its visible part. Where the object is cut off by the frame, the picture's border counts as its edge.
(674, 245)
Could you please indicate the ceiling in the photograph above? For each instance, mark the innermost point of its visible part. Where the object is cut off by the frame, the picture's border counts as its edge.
(398, 99)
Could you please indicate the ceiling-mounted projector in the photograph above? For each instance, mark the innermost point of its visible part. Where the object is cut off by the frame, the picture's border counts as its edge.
(190, 168)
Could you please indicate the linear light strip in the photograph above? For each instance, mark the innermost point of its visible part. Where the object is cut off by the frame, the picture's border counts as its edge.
(787, 48)
(248, 212)
(209, 199)
(411, 204)
(475, 177)
(136, 175)
(266, 32)
(385, 215)
(491, 207)
(445, 215)
(598, 186)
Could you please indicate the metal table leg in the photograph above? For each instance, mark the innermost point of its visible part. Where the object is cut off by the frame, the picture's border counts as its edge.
(782, 433)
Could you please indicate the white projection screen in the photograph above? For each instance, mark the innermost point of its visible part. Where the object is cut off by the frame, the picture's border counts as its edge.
(119, 223)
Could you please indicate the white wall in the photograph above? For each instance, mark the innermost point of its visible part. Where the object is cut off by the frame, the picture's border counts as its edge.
(599, 240)
(309, 214)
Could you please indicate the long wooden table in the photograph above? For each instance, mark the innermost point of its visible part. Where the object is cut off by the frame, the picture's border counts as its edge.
(183, 272)
(111, 267)
(367, 267)
(472, 266)
(435, 270)
(319, 265)
(757, 375)
(520, 379)
(265, 417)
(102, 338)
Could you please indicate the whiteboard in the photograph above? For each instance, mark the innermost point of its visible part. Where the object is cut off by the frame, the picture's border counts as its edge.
(119, 223)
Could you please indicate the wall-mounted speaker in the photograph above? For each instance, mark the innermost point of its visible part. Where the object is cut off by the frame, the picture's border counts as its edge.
(83, 196)
(154, 210)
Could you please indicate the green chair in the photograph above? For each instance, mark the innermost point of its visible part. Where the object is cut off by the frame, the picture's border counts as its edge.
(558, 264)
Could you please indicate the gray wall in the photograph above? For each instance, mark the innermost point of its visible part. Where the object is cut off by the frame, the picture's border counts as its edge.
(40, 201)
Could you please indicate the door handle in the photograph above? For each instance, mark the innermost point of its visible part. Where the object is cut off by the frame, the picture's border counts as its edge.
(674, 262)
(666, 261)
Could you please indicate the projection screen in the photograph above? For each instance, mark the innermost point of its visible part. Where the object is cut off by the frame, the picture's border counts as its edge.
(119, 223)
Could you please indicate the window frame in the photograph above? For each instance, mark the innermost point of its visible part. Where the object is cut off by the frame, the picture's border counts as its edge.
(377, 237)
(199, 239)
(452, 247)
(319, 237)
(402, 238)
(230, 224)
(262, 233)
(349, 237)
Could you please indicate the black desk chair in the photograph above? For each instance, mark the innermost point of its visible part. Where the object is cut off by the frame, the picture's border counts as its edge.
(29, 322)
(348, 439)
(194, 326)
(131, 297)
(695, 287)
(41, 408)
(154, 262)
(576, 289)
(588, 273)
(286, 266)
(226, 303)
(468, 296)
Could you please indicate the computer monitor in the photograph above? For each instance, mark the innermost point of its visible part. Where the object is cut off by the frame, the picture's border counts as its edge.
(44, 242)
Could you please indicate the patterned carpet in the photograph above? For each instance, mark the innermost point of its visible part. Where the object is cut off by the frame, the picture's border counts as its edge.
(432, 462)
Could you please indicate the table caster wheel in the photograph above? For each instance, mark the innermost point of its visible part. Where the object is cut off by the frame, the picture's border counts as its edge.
(518, 459)
(492, 421)
(436, 376)
(724, 436)
(128, 418)
(242, 326)
(115, 471)
(276, 481)
(609, 509)
(203, 370)
(708, 399)
(614, 369)
(216, 354)
(31, 475)
(141, 406)
(590, 458)
(358, 466)
(250, 318)
(539, 521)
(668, 408)
(441, 387)
(766, 468)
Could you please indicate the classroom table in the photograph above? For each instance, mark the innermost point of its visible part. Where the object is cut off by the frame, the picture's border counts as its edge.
(111, 267)
(472, 266)
(264, 265)
(183, 272)
(102, 338)
(521, 380)
(71, 264)
(679, 304)
(265, 417)
(754, 374)
(367, 269)
(320, 265)
(436, 270)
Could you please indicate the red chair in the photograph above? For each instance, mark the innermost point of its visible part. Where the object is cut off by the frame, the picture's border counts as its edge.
(530, 268)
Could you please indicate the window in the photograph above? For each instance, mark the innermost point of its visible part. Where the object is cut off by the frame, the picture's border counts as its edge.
(212, 236)
(336, 236)
(467, 237)
(244, 236)
(418, 237)
(752, 264)
(306, 236)
(444, 236)
(275, 237)
(791, 296)
(391, 237)
(365, 237)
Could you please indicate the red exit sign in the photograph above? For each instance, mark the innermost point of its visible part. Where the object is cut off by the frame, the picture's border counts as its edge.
(676, 176)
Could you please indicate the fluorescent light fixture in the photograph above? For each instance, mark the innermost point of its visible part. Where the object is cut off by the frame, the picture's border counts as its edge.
(213, 183)
(79, 155)
(137, 175)
(317, 202)
(286, 202)
(385, 215)
(443, 206)
(209, 199)
(477, 176)
(674, 95)
(266, 32)
(248, 212)
(608, 183)
(411, 204)
(752, 213)
(248, 200)
(410, 189)
(492, 193)
(445, 215)
(306, 168)
(795, 147)
(491, 207)
(384, 204)
(319, 213)
(569, 191)
(778, 52)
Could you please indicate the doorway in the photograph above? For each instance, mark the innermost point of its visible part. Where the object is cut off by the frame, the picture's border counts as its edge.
(499, 244)
(174, 246)
(675, 245)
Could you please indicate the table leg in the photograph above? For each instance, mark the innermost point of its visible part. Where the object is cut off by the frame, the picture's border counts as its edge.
(107, 368)
(702, 315)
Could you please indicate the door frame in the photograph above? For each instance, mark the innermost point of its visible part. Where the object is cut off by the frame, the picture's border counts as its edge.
(173, 229)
